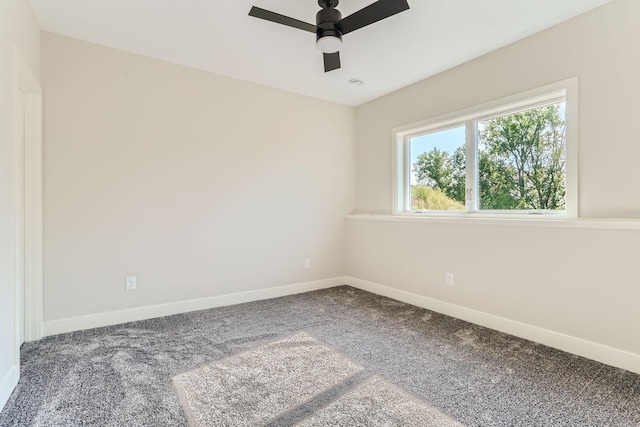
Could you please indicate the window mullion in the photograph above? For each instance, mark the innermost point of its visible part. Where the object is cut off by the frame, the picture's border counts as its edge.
(471, 167)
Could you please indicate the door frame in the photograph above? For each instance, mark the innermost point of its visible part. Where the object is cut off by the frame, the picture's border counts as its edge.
(27, 179)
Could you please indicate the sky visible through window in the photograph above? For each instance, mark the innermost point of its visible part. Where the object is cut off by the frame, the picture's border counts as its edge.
(447, 140)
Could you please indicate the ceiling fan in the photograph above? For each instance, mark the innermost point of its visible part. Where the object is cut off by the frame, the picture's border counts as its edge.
(330, 26)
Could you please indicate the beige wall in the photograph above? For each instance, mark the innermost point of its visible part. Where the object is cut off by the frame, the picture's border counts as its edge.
(579, 282)
(198, 184)
(17, 25)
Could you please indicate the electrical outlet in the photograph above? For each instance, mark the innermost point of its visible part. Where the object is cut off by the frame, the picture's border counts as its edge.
(449, 279)
(307, 263)
(130, 283)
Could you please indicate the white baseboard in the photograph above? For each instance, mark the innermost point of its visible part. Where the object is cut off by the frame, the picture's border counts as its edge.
(7, 385)
(591, 350)
(60, 326)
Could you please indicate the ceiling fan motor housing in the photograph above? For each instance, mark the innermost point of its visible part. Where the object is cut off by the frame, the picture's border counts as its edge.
(326, 20)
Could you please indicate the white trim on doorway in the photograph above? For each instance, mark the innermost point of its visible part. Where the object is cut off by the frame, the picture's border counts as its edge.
(27, 82)
(31, 169)
(27, 228)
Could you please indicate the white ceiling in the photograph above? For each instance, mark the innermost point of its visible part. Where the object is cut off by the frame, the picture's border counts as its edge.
(219, 36)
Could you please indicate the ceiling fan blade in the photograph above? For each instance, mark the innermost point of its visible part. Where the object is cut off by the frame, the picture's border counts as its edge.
(331, 61)
(281, 19)
(373, 13)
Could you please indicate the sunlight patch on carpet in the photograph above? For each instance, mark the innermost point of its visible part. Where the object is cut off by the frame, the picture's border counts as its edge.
(256, 386)
(378, 403)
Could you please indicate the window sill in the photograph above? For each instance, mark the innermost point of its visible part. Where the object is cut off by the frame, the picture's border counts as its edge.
(519, 221)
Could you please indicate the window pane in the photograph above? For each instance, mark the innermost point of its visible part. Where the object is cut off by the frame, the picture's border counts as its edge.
(438, 170)
(522, 160)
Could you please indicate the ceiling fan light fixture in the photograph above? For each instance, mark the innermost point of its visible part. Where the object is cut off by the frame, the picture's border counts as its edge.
(329, 44)
(330, 27)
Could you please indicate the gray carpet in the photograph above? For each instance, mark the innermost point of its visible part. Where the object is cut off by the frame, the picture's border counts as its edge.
(122, 375)
(256, 386)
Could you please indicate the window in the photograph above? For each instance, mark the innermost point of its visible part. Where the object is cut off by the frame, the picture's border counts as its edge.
(517, 155)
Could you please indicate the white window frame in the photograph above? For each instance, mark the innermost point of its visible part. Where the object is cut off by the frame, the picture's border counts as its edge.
(562, 91)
